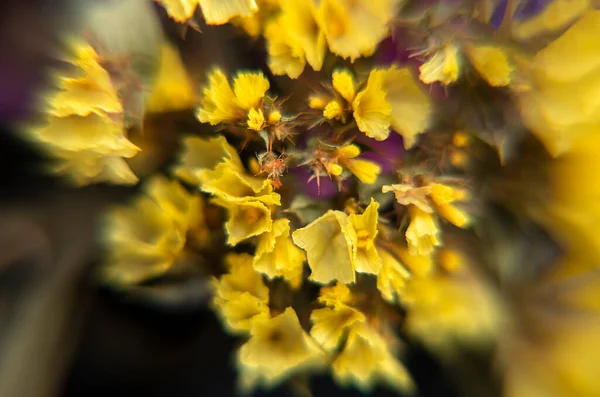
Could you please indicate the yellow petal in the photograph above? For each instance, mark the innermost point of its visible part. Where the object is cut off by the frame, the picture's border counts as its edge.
(372, 111)
(333, 110)
(279, 347)
(228, 183)
(347, 152)
(422, 232)
(180, 10)
(443, 66)
(328, 245)
(241, 277)
(286, 57)
(555, 16)
(392, 277)
(412, 109)
(240, 310)
(250, 88)
(330, 324)
(245, 219)
(218, 103)
(492, 63)
(366, 171)
(172, 88)
(219, 12)
(336, 295)
(366, 258)
(256, 119)
(343, 83)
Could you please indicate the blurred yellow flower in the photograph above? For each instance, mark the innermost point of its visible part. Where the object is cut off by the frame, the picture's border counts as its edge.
(246, 219)
(392, 277)
(331, 323)
(366, 171)
(492, 63)
(422, 232)
(240, 296)
(338, 294)
(277, 256)
(328, 245)
(365, 256)
(557, 15)
(442, 197)
(372, 109)
(216, 12)
(343, 83)
(366, 359)
(354, 28)
(443, 66)
(256, 119)
(278, 348)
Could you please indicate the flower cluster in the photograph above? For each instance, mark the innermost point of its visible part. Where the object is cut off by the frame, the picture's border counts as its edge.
(447, 141)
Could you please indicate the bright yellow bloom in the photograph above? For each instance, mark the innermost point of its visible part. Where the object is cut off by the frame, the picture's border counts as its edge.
(286, 57)
(84, 131)
(372, 111)
(202, 155)
(563, 103)
(172, 88)
(365, 256)
(277, 256)
(366, 171)
(442, 197)
(221, 103)
(354, 28)
(443, 66)
(392, 277)
(241, 297)
(249, 89)
(557, 15)
(236, 186)
(366, 359)
(216, 12)
(338, 294)
(278, 348)
(411, 108)
(256, 119)
(334, 110)
(331, 323)
(492, 64)
(343, 83)
(422, 232)
(317, 102)
(145, 238)
(246, 219)
(328, 245)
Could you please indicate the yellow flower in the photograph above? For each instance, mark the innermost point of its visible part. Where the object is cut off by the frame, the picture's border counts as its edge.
(492, 63)
(366, 171)
(278, 348)
(199, 156)
(236, 186)
(411, 108)
(555, 16)
(443, 66)
(372, 111)
(366, 359)
(409, 195)
(218, 102)
(365, 256)
(334, 110)
(172, 88)
(317, 102)
(286, 57)
(145, 238)
(422, 232)
(277, 256)
(241, 297)
(562, 104)
(216, 12)
(338, 294)
(274, 117)
(246, 219)
(256, 119)
(331, 323)
(442, 196)
(249, 89)
(392, 277)
(343, 83)
(354, 28)
(328, 245)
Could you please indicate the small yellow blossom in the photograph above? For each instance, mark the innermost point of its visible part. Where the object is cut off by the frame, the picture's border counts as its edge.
(236, 186)
(216, 12)
(366, 259)
(411, 108)
(221, 103)
(443, 66)
(246, 219)
(201, 155)
(409, 195)
(334, 110)
(338, 294)
(278, 348)
(172, 89)
(144, 239)
(392, 277)
(277, 256)
(442, 197)
(274, 117)
(422, 232)
(286, 57)
(354, 28)
(330, 324)
(343, 83)
(241, 297)
(366, 171)
(492, 63)
(328, 245)
(317, 102)
(256, 119)
(372, 110)
(366, 359)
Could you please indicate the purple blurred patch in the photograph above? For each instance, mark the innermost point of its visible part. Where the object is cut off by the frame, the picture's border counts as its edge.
(328, 187)
(386, 153)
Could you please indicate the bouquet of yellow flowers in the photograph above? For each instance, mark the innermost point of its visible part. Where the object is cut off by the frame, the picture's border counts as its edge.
(353, 177)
